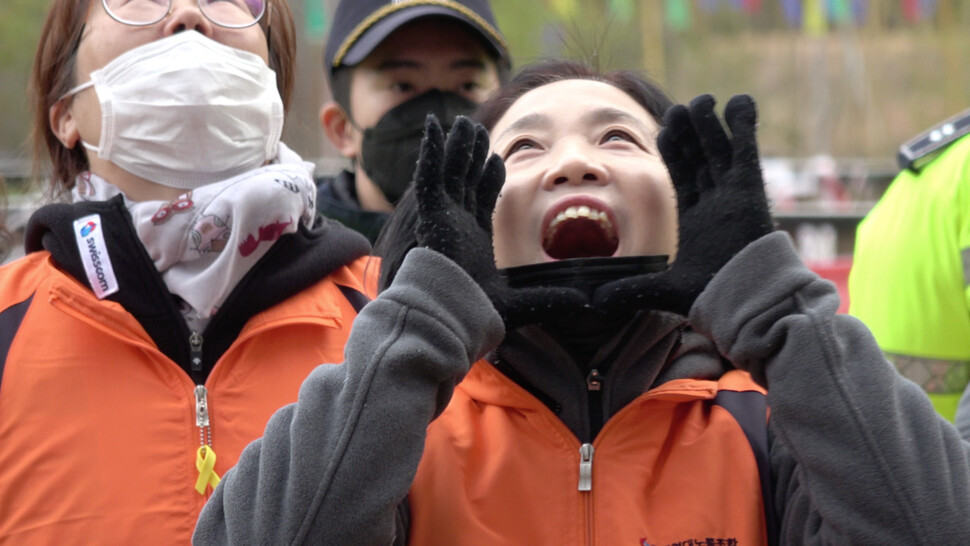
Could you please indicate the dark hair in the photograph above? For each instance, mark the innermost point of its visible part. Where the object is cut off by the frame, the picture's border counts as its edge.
(340, 86)
(53, 76)
(647, 93)
(397, 236)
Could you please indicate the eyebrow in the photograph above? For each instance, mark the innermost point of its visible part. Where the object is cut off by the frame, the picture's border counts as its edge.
(525, 123)
(602, 116)
(599, 116)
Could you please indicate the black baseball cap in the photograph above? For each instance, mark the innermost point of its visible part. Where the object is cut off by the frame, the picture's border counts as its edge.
(359, 26)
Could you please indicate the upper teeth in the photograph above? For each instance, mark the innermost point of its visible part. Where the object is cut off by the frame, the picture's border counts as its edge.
(581, 211)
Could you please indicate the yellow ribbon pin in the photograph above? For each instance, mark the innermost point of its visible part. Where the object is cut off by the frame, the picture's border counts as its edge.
(205, 463)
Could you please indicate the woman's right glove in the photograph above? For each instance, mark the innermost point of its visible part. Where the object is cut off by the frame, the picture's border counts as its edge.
(456, 189)
(721, 204)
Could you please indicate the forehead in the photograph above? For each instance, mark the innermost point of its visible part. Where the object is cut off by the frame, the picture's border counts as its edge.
(566, 101)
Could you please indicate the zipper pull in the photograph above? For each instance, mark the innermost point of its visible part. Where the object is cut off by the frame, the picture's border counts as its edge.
(195, 345)
(594, 381)
(201, 407)
(205, 457)
(586, 467)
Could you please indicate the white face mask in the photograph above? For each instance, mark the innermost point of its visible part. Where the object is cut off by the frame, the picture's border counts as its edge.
(186, 111)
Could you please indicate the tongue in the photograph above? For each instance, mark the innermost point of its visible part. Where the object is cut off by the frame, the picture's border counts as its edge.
(580, 238)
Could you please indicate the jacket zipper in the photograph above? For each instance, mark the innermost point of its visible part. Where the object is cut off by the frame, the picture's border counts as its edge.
(195, 351)
(202, 416)
(586, 486)
(594, 396)
(586, 467)
(205, 456)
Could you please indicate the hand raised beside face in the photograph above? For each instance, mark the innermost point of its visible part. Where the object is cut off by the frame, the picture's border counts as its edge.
(456, 189)
(721, 203)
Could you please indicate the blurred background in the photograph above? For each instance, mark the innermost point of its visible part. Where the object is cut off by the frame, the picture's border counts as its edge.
(840, 84)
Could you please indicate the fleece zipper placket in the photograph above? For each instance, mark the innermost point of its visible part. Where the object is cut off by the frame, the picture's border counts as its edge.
(594, 393)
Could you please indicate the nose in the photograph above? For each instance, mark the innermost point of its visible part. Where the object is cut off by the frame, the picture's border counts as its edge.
(187, 15)
(574, 163)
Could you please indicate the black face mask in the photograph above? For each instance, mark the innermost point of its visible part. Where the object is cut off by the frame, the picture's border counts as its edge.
(587, 330)
(585, 274)
(389, 150)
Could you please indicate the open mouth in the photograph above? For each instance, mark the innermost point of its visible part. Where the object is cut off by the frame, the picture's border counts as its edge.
(579, 230)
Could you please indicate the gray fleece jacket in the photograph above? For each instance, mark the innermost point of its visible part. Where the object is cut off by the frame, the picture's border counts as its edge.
(962, 418)
(858, 455)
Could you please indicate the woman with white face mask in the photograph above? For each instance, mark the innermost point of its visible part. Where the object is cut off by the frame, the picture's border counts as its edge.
(187, 287)
(652, 317)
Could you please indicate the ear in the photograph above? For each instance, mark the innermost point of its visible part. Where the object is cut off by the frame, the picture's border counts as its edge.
(336, 124)
(62, 123)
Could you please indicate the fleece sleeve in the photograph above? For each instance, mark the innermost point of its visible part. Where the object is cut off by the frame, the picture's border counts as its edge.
(859, 456)
(333, 467)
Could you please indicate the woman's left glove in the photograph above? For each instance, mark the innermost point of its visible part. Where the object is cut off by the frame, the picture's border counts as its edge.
(721, 204)
(456, 189)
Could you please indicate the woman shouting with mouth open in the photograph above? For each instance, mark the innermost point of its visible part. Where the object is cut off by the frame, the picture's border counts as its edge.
(669, 372)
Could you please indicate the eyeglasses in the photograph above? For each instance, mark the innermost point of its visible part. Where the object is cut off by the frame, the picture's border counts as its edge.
(225, 13)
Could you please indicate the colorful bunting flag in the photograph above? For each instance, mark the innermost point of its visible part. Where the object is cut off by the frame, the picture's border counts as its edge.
(860, 11)
(814, 21)
(792, 10)
(814, 17)
(751, 6)
(911, 10)
(677, 15)
(839, 11)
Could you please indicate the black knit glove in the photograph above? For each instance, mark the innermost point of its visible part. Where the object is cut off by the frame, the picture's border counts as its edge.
(456, 189)
(720, 199)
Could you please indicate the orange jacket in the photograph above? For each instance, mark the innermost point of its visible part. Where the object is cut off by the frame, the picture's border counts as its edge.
(649, 478)
(98, 429)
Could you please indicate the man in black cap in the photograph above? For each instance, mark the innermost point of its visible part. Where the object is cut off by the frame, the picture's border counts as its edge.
(390, 63)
